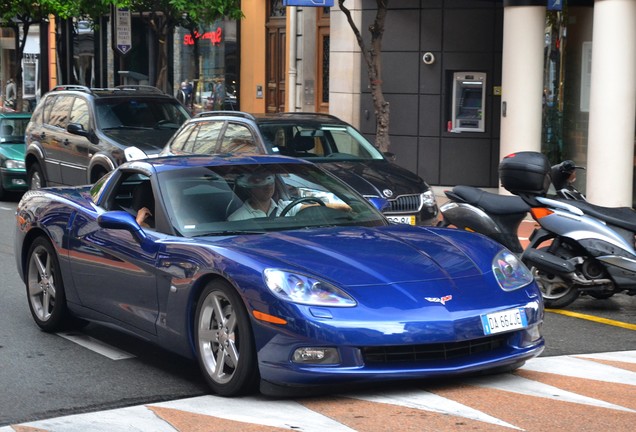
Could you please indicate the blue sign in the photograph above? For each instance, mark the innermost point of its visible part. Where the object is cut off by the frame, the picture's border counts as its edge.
(555, 5)
(312, 3)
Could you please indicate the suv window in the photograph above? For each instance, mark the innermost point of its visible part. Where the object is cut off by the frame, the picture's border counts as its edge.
(80, 113)
(139, 113)
(59, 112)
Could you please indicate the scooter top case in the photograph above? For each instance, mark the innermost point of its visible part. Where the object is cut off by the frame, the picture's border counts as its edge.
(525, 173)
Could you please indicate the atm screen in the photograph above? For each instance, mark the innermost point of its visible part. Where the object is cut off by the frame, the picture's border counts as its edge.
(470, 103)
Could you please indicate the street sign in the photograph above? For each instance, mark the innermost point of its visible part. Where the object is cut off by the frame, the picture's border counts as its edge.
(123, 33)
(311, 3)
(555, 5)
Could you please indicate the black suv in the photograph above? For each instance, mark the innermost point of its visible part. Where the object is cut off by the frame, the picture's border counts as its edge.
(321, 138)
(77, 134)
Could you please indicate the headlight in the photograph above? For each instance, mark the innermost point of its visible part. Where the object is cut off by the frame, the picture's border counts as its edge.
(14, 164)
(428, 199)
(510, 272)
(299, 288)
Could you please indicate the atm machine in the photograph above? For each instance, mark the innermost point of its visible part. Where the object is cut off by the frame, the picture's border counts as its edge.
(469, 98)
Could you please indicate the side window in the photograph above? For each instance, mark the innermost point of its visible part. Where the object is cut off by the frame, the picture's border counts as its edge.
(180, 140)
(206, 137)
(238, 139)
(60, 111)
(133, 194)
(80, 113)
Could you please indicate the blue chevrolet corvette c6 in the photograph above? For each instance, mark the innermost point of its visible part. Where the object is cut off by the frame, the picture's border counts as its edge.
(270, 271)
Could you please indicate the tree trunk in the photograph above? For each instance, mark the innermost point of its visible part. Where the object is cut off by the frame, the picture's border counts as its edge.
(373, 59)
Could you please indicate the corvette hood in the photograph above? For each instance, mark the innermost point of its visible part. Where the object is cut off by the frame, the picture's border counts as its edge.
(371, 177)
(362, 256)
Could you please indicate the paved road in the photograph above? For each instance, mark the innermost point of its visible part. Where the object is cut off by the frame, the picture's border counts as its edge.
(44, 376)
(567, 393)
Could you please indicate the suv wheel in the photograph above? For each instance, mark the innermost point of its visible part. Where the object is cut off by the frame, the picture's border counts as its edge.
(35, 177)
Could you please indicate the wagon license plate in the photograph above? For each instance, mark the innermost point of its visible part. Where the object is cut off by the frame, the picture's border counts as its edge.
(409, 220)
(507, 320)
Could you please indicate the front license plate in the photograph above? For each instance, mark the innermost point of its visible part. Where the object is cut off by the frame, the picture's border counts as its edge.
(507, 320)
(409, 220)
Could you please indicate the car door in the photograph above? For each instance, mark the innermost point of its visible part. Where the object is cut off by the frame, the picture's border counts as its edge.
(113, 274)
(78, 149)
(53, 137)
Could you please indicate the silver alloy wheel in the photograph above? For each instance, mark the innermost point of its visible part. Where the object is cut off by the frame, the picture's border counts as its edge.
(41, 283)
(218, 337)
(36, 180)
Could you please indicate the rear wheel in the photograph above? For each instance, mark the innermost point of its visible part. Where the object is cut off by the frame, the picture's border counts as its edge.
(45, 288)
(35, 177)
(225, 346)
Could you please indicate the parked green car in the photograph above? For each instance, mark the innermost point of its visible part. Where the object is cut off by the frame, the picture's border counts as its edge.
(12, 171)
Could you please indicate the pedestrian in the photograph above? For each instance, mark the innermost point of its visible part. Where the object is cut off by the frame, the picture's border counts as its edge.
(10, 93)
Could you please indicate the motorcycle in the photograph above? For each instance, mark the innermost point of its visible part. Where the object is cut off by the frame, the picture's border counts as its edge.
(578, 247)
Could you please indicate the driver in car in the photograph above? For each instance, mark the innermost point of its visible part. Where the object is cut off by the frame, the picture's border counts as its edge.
(260, 188)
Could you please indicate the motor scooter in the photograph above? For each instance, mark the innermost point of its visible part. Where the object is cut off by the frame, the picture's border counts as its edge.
(577, 248)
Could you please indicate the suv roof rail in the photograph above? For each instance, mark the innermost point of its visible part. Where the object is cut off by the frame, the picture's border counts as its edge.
(301, 113)
(71, 87)
(77, 87)
(140, 87)
(226, 113)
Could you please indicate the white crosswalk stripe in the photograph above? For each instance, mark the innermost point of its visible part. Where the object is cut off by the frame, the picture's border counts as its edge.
(308, 415)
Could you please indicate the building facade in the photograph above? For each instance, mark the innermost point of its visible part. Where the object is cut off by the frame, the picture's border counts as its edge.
(469, 81)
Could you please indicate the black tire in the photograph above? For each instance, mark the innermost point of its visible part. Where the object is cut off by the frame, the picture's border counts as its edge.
(45, 287)
(2, 191)
(35, 177)
(224, 341)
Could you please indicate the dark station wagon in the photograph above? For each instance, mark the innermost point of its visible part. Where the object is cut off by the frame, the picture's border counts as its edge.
(320, 138)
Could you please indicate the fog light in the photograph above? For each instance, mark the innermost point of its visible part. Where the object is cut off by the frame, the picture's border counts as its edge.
(18, 182)
(316, 355)
(531, 336)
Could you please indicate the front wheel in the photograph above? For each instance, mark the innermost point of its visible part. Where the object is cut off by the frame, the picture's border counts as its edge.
(225, 345)
(45, 288)
(35, 177)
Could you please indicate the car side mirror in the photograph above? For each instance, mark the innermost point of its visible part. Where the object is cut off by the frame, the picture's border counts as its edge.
(390, 156)
(78, 129)
(121, 220)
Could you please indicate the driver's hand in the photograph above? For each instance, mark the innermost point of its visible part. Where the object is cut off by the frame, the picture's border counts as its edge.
(143, 214)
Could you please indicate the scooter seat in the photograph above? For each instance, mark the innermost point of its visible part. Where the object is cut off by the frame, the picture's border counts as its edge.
(623, 217)
(490, 202)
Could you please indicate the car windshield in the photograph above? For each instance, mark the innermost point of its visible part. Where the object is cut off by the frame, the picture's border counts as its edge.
(140, 113)
(236, 199)
(12, 130)
(314, 140)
